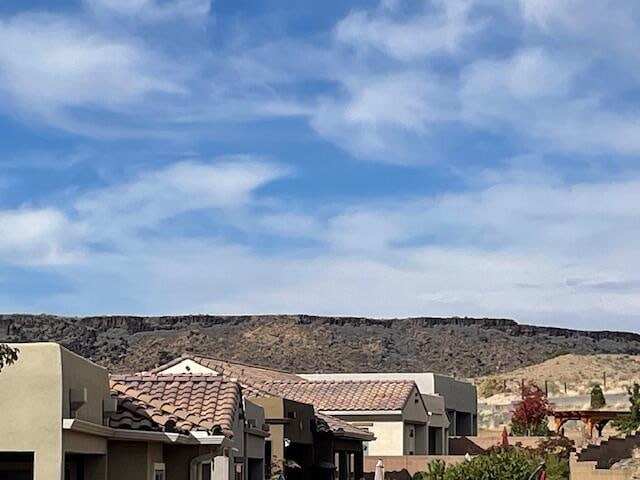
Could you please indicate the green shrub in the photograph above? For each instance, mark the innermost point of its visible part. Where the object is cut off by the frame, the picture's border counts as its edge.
(490, 387)
(435, 471)
(630, 422)
(503, 463)
(597, 398)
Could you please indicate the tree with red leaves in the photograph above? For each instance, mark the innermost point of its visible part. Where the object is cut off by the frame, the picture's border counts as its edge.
(531, 412)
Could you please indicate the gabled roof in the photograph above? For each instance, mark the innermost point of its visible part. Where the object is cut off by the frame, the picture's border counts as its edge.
(369, 395)
(181, 403)
(236, 370)
(329, 424)
(327, 395)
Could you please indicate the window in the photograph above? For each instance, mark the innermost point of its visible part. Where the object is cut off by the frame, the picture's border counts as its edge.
(158, 471)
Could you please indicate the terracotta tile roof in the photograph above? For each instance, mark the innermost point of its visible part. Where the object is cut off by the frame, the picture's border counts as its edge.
(234, 369)
(176, 402)
(345, 395)
(329, 424)
(135, 415)
(342, 395)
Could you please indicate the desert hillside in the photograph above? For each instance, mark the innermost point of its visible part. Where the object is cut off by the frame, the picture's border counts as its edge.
(463, 346)
(578, 373)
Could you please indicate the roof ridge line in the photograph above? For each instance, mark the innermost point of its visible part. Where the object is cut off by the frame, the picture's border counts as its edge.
(243, 364)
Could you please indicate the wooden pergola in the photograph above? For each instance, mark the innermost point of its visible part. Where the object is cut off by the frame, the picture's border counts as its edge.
(597, 419)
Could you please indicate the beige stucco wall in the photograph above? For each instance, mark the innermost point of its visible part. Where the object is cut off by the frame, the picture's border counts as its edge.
(412, 464)
(416, 417)
(254, 445)
(177, 459)
(389, 438)
(435, 404)
(273, 408)
(154, 455)
(188, 366)
(415, 410)
(392, 432)
(31, 396)
(74, 442)
(588, 471)
(78, 373)
(127, 460)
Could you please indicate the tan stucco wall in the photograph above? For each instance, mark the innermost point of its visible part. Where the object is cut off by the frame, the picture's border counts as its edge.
(413, 464)
(177, 459)
(154, 455)
(31, 396)
(389, 438)
(588, 471)
(78, 373)
(392, 431)
(415, 410)
(254, 445)
(435, 404)
(74, 442)
(273, 409)
(127, 460)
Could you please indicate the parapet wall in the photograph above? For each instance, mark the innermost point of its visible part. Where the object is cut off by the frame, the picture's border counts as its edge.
(410, 463)
(609, 451)
(588, 471)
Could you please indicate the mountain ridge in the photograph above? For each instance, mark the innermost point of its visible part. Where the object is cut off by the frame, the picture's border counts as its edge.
(456, 345)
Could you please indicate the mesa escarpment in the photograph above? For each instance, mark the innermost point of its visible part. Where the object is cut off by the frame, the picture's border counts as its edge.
(461, 346)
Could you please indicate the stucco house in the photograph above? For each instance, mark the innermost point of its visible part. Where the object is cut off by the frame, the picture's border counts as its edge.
(393, 411)
(460, 399)
(67, 420)
(320, 446)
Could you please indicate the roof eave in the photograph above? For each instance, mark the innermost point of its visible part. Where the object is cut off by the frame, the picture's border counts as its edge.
(361, 412)
(194, 438)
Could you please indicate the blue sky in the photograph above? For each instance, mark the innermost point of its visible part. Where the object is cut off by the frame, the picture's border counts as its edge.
(391, 158)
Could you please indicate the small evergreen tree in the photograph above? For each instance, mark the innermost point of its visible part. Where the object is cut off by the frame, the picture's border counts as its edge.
(630, 422)
(8, 355)
(531, 412)
(597, 398)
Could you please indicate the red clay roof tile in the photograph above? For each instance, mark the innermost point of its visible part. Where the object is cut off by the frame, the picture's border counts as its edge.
(176, 402)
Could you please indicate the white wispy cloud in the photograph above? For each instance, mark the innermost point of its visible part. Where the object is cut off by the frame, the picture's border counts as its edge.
(441, 27)
(118, 213)
(158, 195)
(542, 251)
(536, 94)
(51, 64)
(386, 77)
(45, 236)
(153, 10)
(374, 113)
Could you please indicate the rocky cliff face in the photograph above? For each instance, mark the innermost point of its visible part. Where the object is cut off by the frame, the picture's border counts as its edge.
(462, 346)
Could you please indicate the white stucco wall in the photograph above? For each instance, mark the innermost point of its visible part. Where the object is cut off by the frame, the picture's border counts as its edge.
(188, 366)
